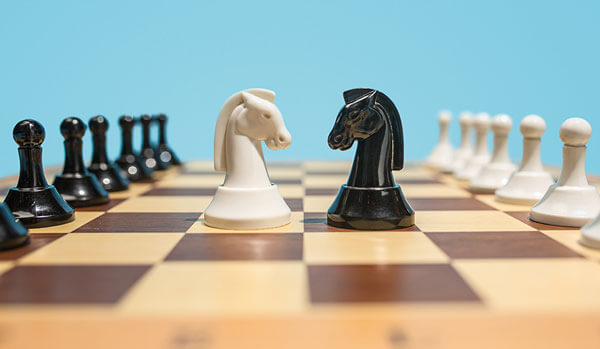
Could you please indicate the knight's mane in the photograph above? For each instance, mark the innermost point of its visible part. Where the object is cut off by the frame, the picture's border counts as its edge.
(392, 116)
(220, 153)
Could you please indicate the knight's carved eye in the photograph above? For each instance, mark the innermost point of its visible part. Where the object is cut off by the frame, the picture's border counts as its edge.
(266, 116)
(353, 115)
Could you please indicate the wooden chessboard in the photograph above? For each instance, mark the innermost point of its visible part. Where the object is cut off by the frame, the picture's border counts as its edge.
(145, 272)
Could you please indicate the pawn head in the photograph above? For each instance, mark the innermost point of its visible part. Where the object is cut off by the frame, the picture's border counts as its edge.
(145, 119)
(575, 132)
(533, 126)
(72, 127)
(444, 117)
(482, 121)
(29, 133)
(98, 124)
(160, 117)
(502, 124)
(126, 121)
(466, 118)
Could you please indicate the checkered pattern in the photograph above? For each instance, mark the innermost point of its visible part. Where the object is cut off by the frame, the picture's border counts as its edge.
(149, 252)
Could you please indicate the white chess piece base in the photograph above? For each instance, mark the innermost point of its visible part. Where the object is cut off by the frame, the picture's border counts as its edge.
(472, 167)
(247, 208)
(590, 234)
(568, 206)
(492, 177)
(525, 188)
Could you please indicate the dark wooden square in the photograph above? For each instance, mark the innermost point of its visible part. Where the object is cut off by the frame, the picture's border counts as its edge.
(448, 204)
(509, 244)
(67, 284)
(238, 247)
(36, 241)
(140, 222)
(316, 222)
(523, 216)
(387, 283)
(295, 204)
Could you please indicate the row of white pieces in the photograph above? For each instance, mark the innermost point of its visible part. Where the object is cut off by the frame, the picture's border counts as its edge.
(569, 202)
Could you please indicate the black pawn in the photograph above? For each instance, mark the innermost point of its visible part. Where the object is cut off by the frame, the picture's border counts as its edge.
(164, 154)
(76, 184)
(12, 233)
(33, 202)
(147, 153)
(108, 175)
(130, 164)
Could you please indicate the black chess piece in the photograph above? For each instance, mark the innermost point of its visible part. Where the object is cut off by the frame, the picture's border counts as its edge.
(370, 200)
(147, 154)
(76, 184)
(33, 202)
(131, 165)
(12, 233)
(106, 171)
(164, 154)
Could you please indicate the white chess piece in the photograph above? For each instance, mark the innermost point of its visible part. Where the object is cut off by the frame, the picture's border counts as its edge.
(247, 199)
(529, 184)
(496, 173)
(441, 156)
(481, 155)
(590, 234)
(465, 150)
(571, 202)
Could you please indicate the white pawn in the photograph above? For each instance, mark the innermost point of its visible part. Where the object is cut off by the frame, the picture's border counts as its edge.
(571, 202)
(590, 234)
(496, 173)
(441, 156)
(465, 150)
(481, 156)
(529, 184)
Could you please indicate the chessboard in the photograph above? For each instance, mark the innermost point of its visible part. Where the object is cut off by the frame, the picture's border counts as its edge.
(145, 272)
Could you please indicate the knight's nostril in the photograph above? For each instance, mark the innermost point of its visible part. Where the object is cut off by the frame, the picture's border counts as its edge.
(281, 139)
(337, 138)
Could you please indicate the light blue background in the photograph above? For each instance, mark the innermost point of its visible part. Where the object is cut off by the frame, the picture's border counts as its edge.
(184, 58)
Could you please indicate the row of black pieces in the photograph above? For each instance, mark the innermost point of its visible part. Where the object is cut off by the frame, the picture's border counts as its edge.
(34, 203)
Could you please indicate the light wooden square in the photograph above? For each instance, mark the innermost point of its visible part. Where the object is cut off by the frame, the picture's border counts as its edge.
(374, 247)
(317, 203)
(220, 288)
(465, 221)
(570, 238)
(285, 173)
(491, 201)
(535, 284)
(164, 204)
(135, 189)
(4, 266)
(327, 166)
(295, 226)
(291, 190)
(325, 181)
(192, 166)
(192, 181)
(433, 191)
(81, 218)
(105, 248)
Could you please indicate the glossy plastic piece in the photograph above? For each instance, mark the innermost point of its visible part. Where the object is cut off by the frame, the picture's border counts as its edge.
(33, 202)
(132, 167)
(105, 170)
(148, 153)
(12, 233)
(247, 199)
(163, 153)
(370, 200)
(572, 201)
(590, 234)
(76, 184)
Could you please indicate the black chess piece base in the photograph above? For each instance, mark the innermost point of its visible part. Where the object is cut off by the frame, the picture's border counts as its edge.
(133, 169)
(370, 209)
(110, 178)
(39, 207)
(81, 191)
(12, 233)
